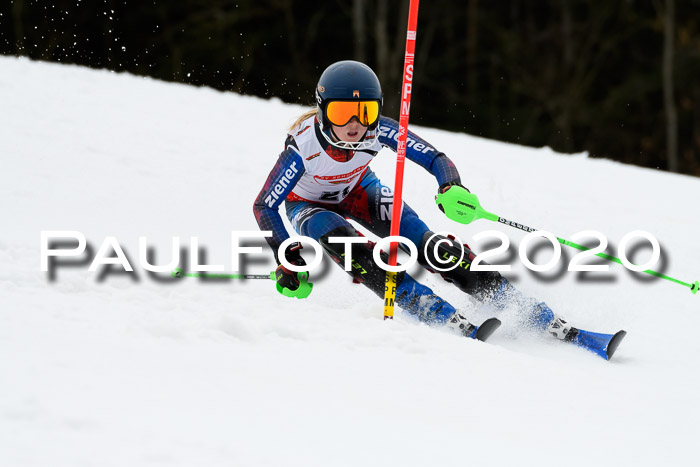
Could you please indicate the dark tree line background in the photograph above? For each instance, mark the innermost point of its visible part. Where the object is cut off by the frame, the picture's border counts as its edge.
(618, 78)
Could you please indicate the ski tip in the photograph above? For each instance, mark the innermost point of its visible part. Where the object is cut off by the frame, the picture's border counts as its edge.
(614, 343)
(487, 328)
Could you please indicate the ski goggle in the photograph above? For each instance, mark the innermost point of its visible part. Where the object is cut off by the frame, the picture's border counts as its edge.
(339, 113)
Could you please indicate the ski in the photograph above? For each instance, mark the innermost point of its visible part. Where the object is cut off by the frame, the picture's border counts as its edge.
(604, 345)
(487, 328)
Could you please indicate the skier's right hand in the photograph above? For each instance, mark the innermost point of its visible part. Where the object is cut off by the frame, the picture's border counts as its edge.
(286, 278)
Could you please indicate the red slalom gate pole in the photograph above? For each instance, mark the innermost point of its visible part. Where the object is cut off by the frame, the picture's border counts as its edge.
(390, 289)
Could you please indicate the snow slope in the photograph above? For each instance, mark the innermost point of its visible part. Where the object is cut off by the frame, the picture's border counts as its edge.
(137, 370)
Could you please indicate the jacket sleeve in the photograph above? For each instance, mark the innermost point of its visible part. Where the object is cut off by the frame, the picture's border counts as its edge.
(280, 182)
(419, 151)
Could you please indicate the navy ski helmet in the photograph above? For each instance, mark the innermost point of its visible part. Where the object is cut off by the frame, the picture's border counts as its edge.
(348, 81)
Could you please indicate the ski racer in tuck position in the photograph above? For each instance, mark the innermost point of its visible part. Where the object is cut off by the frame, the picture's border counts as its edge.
(324, 178)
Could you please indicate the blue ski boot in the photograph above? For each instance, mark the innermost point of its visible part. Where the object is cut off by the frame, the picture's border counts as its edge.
(539, 315)
(459, 324)
(603, 345)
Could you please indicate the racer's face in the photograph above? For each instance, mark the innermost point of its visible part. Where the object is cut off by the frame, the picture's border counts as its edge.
(352, 132)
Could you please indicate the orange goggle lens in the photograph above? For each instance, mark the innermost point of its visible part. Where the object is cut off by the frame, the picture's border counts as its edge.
(339, 113)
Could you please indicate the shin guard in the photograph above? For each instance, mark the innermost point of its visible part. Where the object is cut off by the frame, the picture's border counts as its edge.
(412, 296)
(444, 257)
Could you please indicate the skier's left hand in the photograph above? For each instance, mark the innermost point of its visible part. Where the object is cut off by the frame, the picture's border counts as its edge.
(446, 186)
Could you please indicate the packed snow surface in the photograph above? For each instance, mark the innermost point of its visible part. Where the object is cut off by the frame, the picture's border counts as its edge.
(139, 369)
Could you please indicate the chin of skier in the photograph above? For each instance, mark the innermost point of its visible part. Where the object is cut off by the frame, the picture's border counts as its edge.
(324, 178)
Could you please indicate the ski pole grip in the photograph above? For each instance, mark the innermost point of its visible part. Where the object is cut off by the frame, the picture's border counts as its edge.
(461, 206)
(694, 288)
(304, 289)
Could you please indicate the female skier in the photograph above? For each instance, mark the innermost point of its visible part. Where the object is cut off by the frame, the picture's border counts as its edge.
(324, 178)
